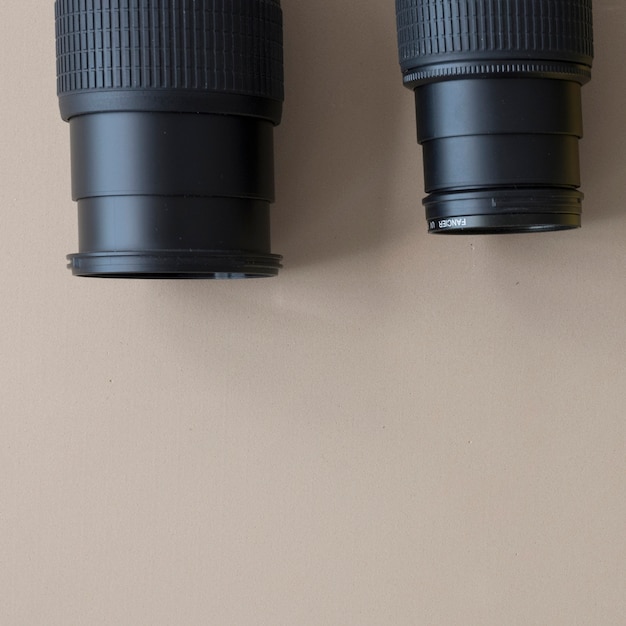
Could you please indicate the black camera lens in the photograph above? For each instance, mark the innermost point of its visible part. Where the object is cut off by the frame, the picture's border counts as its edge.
(172, 106)
(498, 93)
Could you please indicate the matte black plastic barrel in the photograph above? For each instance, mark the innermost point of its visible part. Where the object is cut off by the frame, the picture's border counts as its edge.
(172, 106)
(497, 86)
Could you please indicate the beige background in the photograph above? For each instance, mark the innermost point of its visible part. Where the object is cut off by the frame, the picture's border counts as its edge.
(400, 430)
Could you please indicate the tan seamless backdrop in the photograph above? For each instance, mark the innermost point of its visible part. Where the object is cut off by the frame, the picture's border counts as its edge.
(399, 430)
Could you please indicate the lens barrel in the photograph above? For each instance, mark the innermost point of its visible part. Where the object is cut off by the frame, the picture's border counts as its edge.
(172, 106)
(498, 96)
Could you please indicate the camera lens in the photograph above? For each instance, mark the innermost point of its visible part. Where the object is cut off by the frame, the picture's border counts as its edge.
(498, 95)
(172, 106)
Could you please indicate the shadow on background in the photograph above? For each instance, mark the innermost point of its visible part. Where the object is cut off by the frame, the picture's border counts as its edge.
(334, 150)
(604, 147)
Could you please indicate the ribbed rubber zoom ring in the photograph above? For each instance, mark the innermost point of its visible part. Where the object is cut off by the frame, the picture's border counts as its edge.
(221, 46)
(439, 31)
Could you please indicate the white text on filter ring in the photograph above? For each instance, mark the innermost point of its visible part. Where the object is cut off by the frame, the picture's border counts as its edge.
(458, 222)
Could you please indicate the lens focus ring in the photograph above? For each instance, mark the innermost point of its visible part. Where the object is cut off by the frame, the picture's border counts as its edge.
(230, 47)
(445, 38)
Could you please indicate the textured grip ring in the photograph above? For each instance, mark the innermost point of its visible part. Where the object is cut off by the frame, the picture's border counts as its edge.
(533, 36)
(232, 47)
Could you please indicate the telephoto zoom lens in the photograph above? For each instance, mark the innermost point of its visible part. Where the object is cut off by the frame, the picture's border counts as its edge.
(498, 94)
(172, 106)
